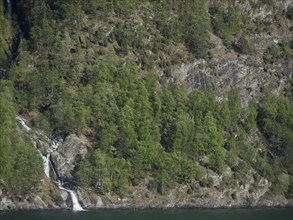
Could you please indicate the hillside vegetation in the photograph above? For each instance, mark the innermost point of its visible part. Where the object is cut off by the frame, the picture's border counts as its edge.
(90, 67)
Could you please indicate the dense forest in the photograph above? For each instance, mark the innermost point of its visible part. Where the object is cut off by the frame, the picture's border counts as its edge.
(90, 67)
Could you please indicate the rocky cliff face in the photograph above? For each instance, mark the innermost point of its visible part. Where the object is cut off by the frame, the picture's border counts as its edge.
(251, 74)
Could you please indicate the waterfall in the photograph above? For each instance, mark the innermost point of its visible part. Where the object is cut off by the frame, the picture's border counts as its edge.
(9, 13)
(75, 202)
(47, 165)
(9, 9)
(22, 121)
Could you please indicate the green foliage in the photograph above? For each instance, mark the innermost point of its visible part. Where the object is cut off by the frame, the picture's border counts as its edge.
(104, 173)
(77, 75)
(20, 163)
(173, 101)
(27, 167)
(69, 118)
(250, 121)
(228, 182)
(7, 126)
(241, 170)
(234, 105)
(197, 32)
(279, 51)
(4, 47)
(8, 39)
(229, 22)
(55, 194)
(232, 154)
(264, 168)
(172, 168)
(243, 46)
(213, 144)
(275, 119)
(207, 182)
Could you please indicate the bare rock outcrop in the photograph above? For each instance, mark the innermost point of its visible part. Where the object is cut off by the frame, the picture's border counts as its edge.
(67, 156)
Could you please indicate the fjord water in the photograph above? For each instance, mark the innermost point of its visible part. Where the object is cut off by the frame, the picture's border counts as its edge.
(197, 214)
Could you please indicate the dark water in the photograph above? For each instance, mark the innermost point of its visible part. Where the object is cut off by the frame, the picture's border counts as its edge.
(198, 214)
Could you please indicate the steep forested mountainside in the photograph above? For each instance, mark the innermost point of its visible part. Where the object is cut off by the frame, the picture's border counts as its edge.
(155, 103)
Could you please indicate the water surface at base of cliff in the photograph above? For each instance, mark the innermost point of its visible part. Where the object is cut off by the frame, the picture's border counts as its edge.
(206, 214)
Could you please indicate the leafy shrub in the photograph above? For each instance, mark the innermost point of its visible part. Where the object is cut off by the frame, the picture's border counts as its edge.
(243, 46)
(104, 173)
(274, 53)
(228, 23)
(55, 194)
(228, 182)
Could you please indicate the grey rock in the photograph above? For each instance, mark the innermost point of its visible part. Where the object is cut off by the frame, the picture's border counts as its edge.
(227, 69)
(100, 202)
(91, 200)
(248, 74)
(37, 200)
(7, 204)
(64, 195)
(67, 156)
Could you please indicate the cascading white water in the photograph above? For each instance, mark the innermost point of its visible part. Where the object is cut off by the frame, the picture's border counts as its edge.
(9, 9)
(75, 203)
(22, 121)
(9, 17)
(47, 165)
(54, 146)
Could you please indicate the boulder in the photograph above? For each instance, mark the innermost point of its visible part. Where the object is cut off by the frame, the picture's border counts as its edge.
(7, 204)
